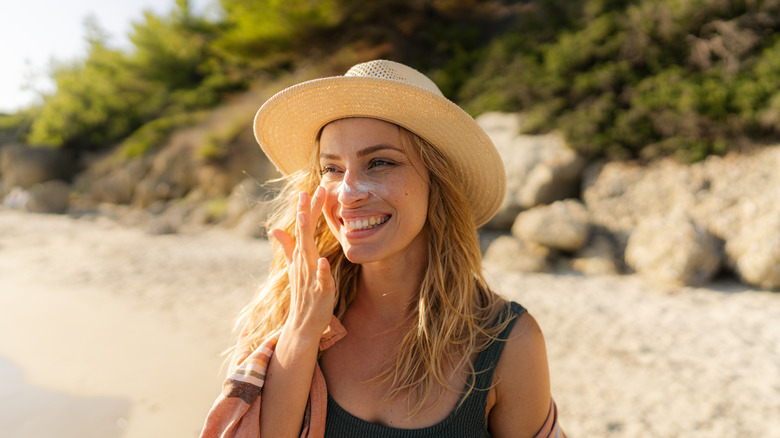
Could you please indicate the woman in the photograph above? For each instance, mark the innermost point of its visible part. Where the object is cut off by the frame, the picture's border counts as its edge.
(375, 319)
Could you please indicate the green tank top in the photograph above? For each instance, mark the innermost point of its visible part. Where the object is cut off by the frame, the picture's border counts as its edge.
(467, 420)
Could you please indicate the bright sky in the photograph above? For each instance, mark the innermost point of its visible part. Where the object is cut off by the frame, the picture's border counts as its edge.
(33, 32)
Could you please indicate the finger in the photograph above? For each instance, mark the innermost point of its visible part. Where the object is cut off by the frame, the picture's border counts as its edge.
(316, 205)
(285, 240)
(304, 231)
(301, 215)
(304, 200)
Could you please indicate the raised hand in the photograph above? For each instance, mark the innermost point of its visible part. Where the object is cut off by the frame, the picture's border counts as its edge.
(312, 285)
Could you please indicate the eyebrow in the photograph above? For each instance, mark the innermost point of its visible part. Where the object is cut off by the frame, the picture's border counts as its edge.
(363, 152)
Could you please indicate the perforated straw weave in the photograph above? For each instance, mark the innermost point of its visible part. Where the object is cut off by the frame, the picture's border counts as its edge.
(286, 126)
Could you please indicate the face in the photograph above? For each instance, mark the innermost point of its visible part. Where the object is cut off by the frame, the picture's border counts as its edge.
(377, 199)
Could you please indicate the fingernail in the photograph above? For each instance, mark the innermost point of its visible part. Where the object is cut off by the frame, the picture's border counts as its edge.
(323, 263)
(302, 218)
(320, 192)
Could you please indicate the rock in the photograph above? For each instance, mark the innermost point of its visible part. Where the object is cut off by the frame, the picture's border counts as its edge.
(754, 253)
(723, 194)
(738, 189)
(673, 250)
(172, 175)
(554, 178)
(599, 256)
(23, 166)
(244, 159)
(620, 195)
(561, 225)
(178, 170)
(512, 255)
(540, 168)
(112, 181)
(48, 197)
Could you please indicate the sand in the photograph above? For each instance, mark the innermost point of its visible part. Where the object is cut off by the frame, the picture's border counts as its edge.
(107, 331)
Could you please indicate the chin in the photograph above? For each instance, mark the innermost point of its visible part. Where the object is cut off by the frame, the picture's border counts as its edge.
(364, 253)
(357, 256)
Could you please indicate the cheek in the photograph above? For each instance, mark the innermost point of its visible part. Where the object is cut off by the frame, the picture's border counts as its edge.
(417, 199)
(329, 207)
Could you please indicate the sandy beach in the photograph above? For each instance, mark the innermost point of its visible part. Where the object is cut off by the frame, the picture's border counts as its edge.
(107, 331)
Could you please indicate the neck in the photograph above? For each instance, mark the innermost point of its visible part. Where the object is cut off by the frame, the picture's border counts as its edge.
(386, 289)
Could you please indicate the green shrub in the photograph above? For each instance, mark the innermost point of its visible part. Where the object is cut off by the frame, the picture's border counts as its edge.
(619, 78)
(642, 79)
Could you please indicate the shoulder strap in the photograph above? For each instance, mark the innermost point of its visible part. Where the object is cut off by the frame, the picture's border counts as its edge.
(487, 360)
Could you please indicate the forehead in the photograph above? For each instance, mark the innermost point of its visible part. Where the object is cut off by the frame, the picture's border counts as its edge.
(353, 134)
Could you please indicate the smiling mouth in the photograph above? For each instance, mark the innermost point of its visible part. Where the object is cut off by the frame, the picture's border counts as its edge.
(365, 223)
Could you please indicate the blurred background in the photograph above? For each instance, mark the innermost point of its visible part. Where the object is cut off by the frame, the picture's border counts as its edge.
(618, 78)
(641, 146)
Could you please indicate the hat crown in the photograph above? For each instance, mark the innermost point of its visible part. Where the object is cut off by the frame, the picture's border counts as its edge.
(383, 69)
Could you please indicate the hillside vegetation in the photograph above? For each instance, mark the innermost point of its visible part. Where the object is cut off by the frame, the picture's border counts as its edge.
(620, 79)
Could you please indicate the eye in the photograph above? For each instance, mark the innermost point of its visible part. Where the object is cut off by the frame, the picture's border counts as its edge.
(328, 169)
(378, 162)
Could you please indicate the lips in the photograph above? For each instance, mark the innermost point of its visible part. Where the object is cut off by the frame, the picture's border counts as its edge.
(364, 223)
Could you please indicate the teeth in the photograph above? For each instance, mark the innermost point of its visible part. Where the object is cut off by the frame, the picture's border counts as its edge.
(363, 224)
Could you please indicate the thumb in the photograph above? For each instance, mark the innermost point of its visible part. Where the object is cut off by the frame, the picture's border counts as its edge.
(324, 277)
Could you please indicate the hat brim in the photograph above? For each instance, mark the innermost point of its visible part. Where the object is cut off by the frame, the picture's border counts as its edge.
(286, 127)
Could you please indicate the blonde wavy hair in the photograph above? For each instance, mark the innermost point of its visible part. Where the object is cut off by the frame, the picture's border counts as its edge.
(453, 315)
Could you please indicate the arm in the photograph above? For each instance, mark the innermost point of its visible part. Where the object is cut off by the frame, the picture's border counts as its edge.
(291, 367)
(522, 383)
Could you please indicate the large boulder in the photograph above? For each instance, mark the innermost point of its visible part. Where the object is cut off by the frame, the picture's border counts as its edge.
(620, 195)
(723, 194)
(562, 225)
(540, 168)
(512, 255)
(754, 252)
(673, 250)
(739, 188)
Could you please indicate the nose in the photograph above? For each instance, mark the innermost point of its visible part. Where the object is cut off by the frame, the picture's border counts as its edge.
(351, 190)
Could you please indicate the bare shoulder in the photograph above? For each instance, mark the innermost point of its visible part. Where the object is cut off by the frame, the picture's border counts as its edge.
(522, 382)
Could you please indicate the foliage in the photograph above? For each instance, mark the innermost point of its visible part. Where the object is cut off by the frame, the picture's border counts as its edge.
(14, 127)
(642, 79)
(620, 78)
(111, 94)
(254, 28)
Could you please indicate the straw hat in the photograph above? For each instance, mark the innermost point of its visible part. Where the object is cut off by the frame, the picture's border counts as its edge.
(286, 126)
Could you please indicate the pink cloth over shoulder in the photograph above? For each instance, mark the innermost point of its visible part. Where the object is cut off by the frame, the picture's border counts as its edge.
(236, 412)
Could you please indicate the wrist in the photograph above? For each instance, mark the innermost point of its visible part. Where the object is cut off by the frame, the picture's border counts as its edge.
(299, 338)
